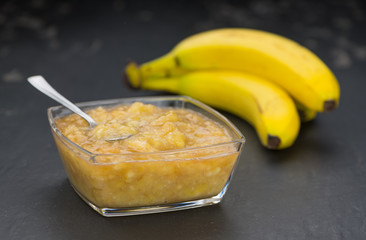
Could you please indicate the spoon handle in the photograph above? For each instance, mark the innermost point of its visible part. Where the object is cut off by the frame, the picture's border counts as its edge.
(42, 85)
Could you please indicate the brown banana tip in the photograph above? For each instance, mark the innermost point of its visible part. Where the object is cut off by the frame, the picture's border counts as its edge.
(273, 142)
(329, 105)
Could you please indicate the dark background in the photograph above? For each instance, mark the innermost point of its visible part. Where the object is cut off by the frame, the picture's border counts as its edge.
(314, 190)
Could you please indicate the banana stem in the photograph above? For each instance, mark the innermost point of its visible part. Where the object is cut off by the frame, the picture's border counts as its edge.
(158, 68)
(165, 84)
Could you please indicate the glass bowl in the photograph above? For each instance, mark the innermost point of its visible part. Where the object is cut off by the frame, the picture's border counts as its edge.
(150, 182)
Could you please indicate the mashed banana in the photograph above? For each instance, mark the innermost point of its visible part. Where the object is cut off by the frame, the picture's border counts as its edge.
(142, 170)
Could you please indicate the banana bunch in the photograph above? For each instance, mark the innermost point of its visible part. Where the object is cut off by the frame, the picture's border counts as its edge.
(264, 78)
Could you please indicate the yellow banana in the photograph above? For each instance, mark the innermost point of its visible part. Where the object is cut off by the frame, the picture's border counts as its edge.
(268, 108)
(270, 56)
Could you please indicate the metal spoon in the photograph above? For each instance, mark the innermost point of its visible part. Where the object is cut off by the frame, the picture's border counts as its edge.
(42, 85)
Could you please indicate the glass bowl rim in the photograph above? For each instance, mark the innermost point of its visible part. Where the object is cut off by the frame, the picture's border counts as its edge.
(241, 138)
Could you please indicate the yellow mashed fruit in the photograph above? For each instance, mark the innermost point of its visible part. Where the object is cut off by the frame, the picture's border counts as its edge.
(159, 162)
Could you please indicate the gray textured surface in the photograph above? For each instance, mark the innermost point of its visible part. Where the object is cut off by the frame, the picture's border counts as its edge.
(314, 190)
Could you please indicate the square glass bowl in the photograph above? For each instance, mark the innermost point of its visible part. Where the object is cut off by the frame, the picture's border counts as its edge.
(150, 182)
